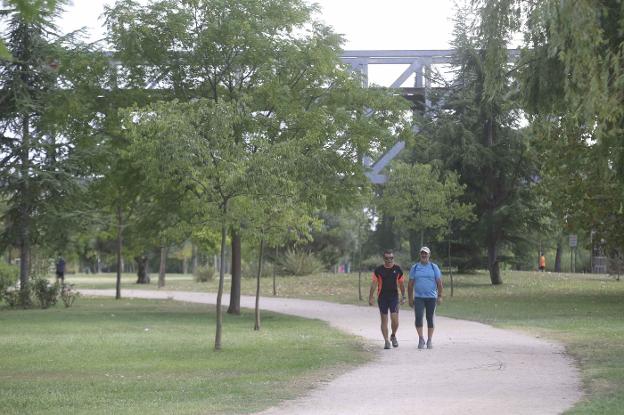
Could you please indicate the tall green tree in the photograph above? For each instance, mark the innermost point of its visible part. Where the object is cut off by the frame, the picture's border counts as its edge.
(44, 141)
(268, 58)
(30, 10)
(273, 220)
(477, 132)
(219, 50)
(419, 201)
(191, 144)
(572, 92)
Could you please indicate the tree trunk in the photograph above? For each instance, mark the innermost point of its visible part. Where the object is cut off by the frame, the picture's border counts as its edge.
(25, 212)
(235, 288)
(493, 265)
(163, 266)
(558, 256)
(195, 260)
(142, 272)
(360, 266)
(275, 271)
(185, 265)
(220, 291)
(257, 324)
(450, 266)
(24, 271)
(119, 247)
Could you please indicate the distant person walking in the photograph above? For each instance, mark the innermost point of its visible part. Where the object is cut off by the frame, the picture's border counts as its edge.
(542, 262)
(425, 292)
(60, 270)
(387, 281)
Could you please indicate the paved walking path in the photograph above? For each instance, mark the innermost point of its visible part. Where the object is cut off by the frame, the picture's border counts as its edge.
(473, 368)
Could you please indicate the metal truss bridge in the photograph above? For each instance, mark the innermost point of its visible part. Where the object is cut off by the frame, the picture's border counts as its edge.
(420, 64)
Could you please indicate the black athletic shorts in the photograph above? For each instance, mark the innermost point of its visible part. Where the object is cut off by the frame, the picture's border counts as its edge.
(388, 303)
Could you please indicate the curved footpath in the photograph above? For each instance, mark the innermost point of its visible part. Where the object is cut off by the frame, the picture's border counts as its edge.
(473, 368)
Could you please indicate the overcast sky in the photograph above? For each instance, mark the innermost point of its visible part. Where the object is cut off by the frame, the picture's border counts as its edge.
(366, 24)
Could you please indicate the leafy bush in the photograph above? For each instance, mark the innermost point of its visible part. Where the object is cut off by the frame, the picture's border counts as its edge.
(46, 293)
(300, 263)
(8, 276)
(9, 292)
(68, 294)
(11, 296)
(250, 269)
(204, 273)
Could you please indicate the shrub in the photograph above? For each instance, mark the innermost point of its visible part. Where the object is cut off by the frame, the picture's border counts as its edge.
(68, 294)
(9, 292)
(250, 269)
(8, 276)
(11, 296)
(46, 293)
(300, 263)
(204, 273)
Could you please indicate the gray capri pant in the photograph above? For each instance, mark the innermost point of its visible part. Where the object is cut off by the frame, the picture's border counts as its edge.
(420, 306)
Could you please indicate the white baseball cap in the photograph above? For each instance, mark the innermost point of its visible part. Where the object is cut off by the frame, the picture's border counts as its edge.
(425, 249)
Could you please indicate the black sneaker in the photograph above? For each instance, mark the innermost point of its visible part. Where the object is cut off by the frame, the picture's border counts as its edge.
(394, 341)
(387, 346)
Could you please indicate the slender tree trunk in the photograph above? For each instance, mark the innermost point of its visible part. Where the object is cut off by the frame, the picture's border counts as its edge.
(257, 324)
(119, 247)
(163, 266)
(24, 268)
(185, 265)
(25, 212)
(450, 266)
(217, 345)
(235, 288)
(493, 264)
(24, 252)
(360, 267)
(558, 256)
(142, 271)
(25, 249)
(195, 260)
(275, 271)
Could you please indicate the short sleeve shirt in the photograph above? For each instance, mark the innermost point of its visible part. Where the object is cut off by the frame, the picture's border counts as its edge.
(425, 279)
(388, 280)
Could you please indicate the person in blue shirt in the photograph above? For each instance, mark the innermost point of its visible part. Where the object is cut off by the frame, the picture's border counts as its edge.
(425, 292)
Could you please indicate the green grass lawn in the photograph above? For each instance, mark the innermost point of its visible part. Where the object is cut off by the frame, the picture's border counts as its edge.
(584, 312)
(103, 356)
(340, 288)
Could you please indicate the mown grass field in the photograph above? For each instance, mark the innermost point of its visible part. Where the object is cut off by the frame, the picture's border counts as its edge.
(584, 312)
(103, 356)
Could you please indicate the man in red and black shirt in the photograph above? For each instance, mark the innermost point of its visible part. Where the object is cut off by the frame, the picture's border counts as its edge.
(387, 280)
